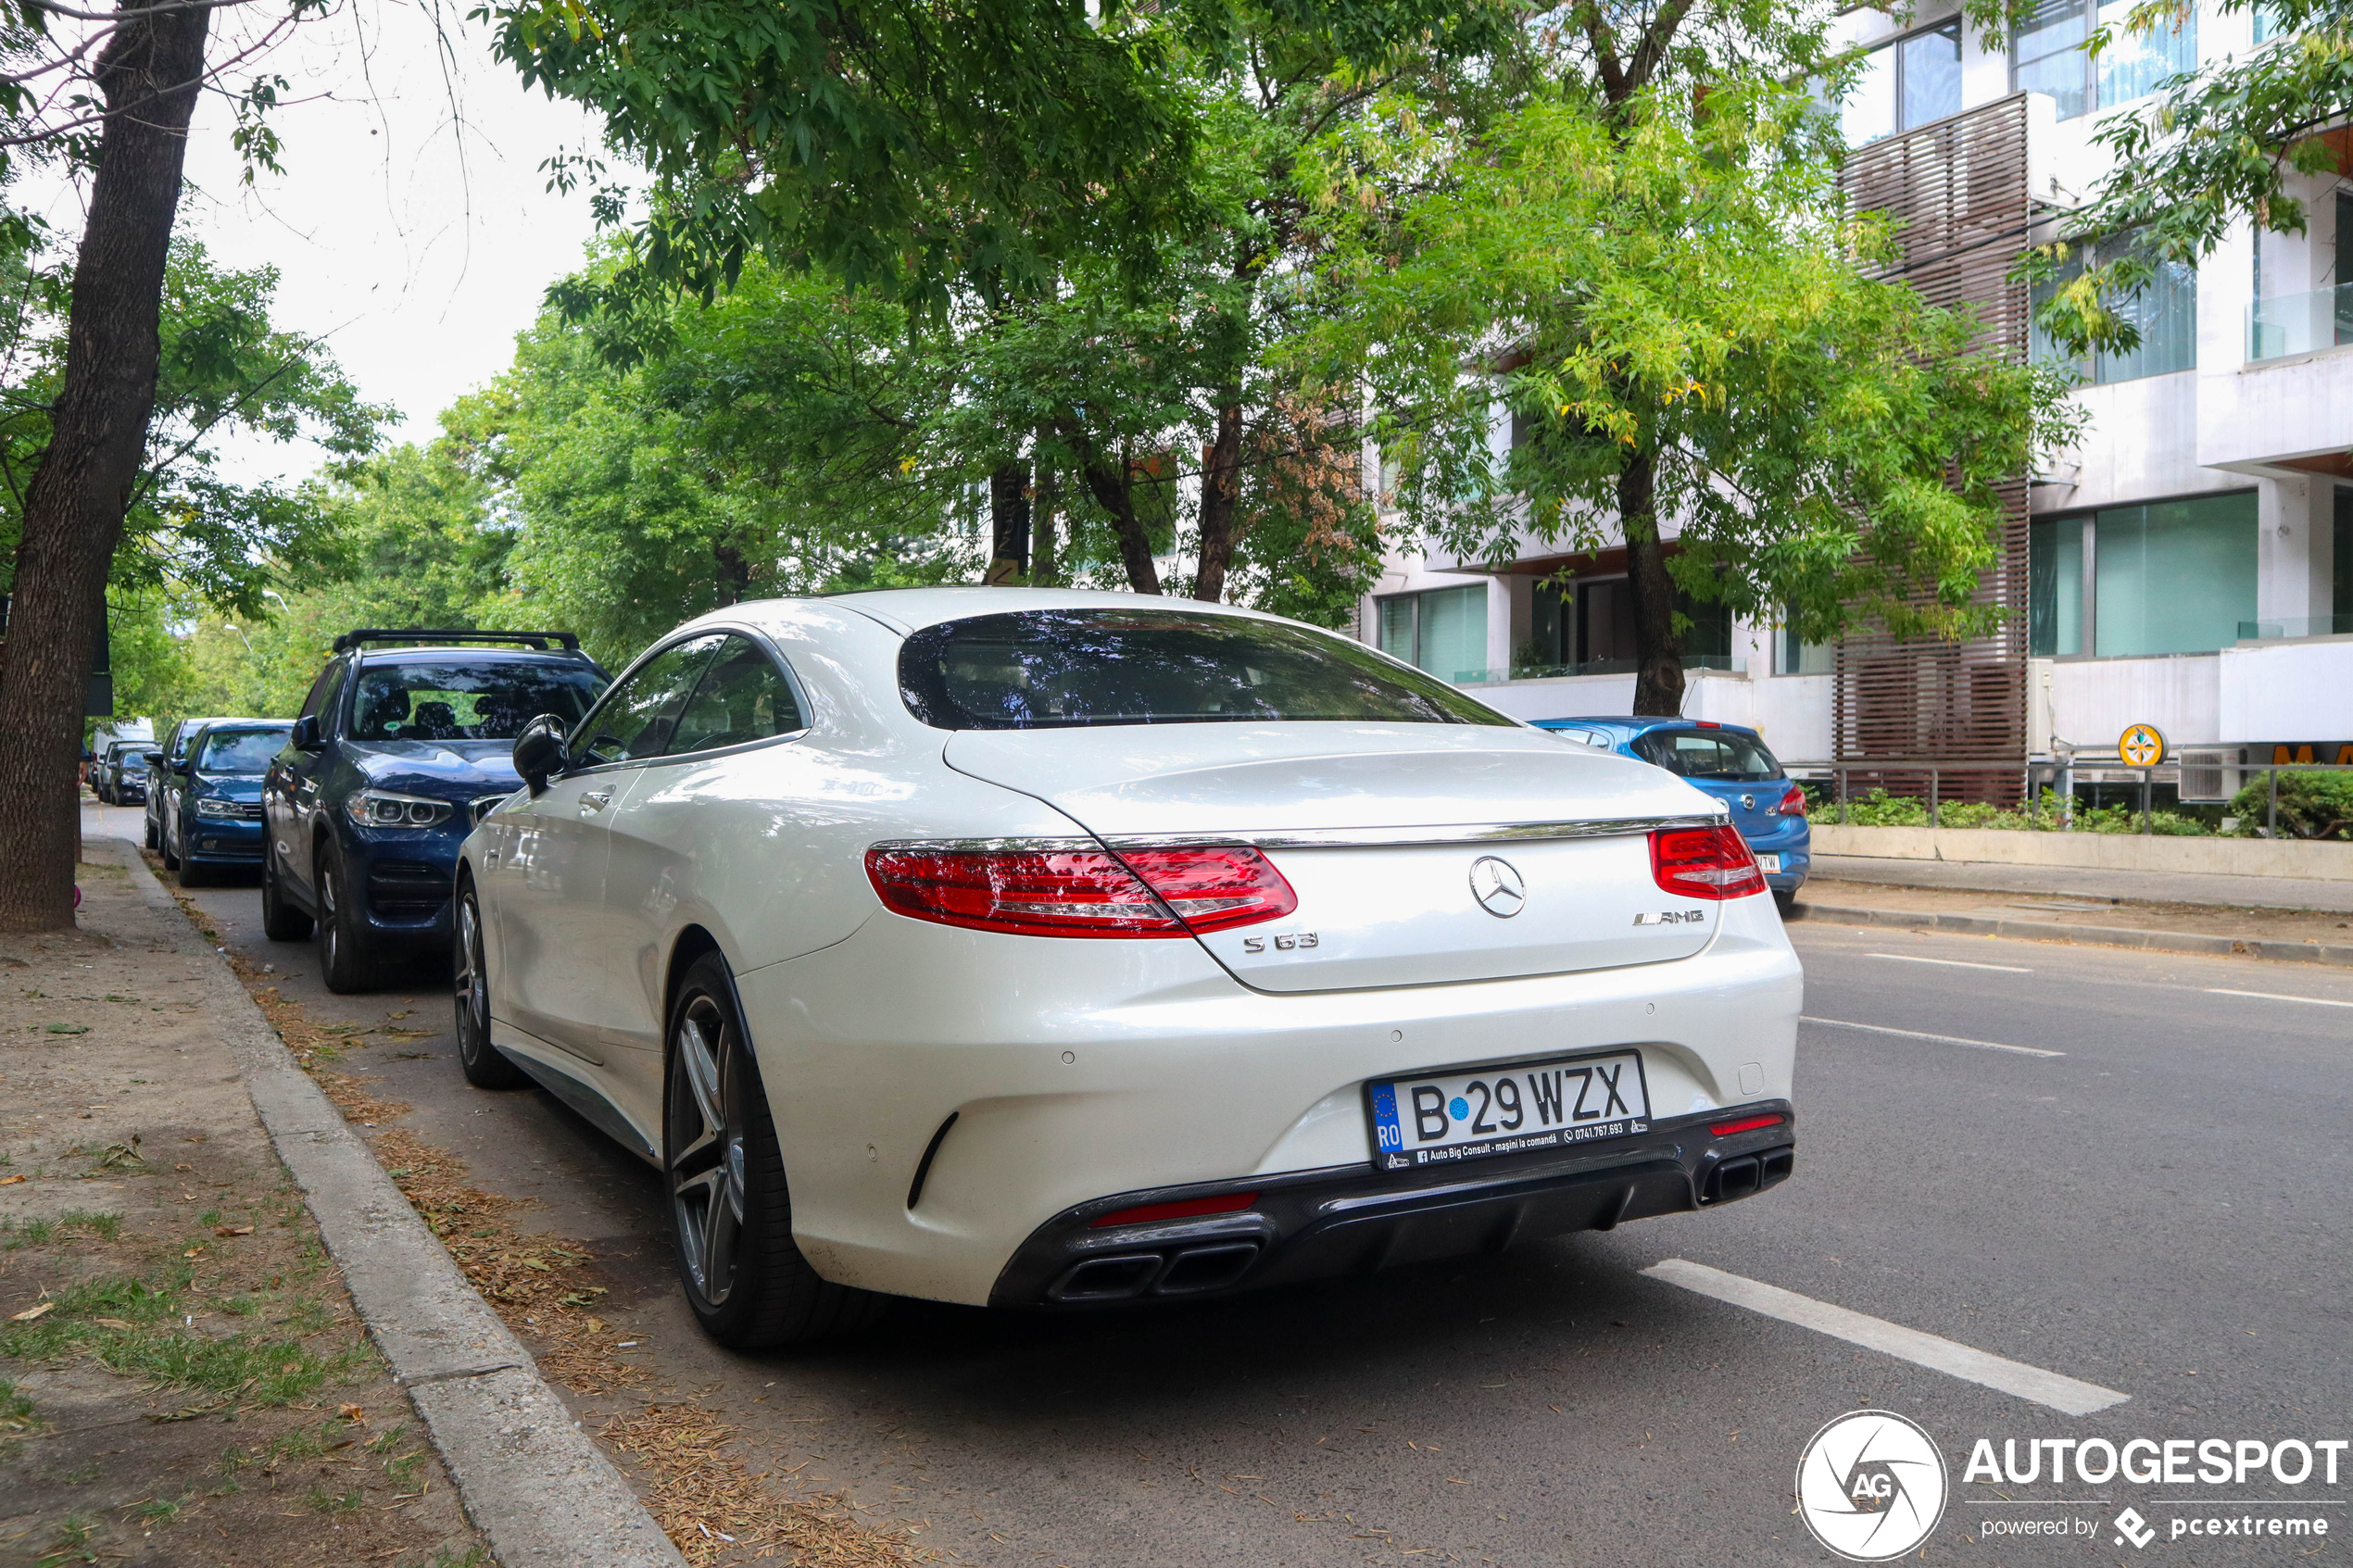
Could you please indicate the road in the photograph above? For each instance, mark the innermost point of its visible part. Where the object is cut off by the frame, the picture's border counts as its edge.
(2157, 1211)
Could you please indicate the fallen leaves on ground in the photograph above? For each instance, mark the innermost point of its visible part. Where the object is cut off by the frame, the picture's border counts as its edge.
(705, 1498)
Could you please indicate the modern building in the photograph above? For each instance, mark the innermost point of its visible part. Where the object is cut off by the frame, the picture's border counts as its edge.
(2189, 564)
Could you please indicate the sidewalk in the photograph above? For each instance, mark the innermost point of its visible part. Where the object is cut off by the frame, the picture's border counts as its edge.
(184, 1378)
(2179, 888)
(2165, 913)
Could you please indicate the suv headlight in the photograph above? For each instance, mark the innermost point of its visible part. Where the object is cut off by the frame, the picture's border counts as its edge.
(382, 809)
(211, 807)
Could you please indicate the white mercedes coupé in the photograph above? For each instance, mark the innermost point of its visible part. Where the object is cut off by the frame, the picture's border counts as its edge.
(1057, 950)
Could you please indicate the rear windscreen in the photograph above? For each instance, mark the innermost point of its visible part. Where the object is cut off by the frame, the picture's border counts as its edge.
(1708, 753)
(1059, 669)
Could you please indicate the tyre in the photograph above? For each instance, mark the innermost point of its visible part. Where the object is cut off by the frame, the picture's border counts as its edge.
(486, 1066)
(280, 921)
(1786, 902)
(344, 961)
(151, 834)
(163, 847)
(731, 1215)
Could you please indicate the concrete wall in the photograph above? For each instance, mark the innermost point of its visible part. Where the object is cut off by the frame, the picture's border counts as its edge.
(2287, 691)
(2101, 851)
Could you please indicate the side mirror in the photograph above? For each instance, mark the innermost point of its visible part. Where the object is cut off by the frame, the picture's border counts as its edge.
(306, 734)
(540, 753)
(153, 758)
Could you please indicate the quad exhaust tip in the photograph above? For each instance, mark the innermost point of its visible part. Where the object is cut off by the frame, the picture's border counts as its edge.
(1185, 1271)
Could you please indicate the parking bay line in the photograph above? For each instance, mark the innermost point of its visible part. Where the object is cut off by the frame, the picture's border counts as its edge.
(2060, 1393)
(2278, 996)
(1917, 1035)
(1950, 964)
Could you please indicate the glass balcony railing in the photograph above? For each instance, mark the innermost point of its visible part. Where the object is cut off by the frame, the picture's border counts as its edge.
(2299, 323)
(1596, 667)
(2297, 626)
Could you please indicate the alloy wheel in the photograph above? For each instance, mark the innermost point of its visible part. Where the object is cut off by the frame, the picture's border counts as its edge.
(473, 989)
(707, 1148)
(330, 928)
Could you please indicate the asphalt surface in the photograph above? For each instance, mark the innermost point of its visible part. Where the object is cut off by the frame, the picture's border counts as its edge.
(2159, 1210)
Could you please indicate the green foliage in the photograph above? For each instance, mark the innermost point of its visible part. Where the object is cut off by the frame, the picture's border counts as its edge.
(226, 369)
(1676, 296)
(2312, 804)
(16, 1411)
(1877, 808)
(2216, 146)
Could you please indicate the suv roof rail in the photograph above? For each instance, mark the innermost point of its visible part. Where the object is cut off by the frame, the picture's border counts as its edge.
(568, 641)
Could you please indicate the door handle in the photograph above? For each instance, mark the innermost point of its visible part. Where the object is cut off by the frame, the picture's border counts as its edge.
(597, 801)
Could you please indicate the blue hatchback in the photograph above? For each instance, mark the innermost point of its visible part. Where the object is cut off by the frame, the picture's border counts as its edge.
(1731, 762)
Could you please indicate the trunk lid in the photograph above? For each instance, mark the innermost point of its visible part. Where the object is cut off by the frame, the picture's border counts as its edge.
(1390, 835)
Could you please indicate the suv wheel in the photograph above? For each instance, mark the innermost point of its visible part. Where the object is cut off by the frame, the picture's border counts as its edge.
(280, 921)
(164, 846)
(343, 962)
(485, 1067)
(151, 831)
(731, 1214)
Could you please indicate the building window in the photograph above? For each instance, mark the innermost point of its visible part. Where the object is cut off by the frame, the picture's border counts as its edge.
(2165, 577)
(2048, 54)
(2165, 311)
(1444, 630)
(1905, 83)
(1791, 656)
(2341, 570)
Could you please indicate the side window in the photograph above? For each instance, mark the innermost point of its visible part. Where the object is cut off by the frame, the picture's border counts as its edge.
(743, 698)
(323, 693)
(636, 718)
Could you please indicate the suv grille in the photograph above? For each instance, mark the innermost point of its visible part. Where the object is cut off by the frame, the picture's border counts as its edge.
(406, 888)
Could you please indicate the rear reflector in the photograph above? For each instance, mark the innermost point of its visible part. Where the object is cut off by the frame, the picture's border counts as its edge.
(1710, 862)
(1182, 1209)
(1746, 1124)
(1082, 892)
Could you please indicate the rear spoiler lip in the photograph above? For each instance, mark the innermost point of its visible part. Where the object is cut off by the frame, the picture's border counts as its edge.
(543, 642)
(1322, 838)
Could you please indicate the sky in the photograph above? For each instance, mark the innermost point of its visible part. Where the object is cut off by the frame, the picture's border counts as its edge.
(412, 229)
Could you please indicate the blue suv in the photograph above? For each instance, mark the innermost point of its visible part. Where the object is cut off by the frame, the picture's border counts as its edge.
(218, 825)
(1731, 762)
(406, 739)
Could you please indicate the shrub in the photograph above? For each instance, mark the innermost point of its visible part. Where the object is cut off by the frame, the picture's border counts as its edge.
(2311, 806)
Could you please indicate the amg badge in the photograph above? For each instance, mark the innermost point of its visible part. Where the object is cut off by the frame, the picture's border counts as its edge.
(1671, 917)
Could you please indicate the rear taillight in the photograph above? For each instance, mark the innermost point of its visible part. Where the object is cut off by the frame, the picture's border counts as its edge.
(1711, 862)
(1083, 893)
(1793, 803)
(1182, 1209)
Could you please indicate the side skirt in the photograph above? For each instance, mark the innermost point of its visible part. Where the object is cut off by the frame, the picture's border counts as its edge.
(588, 1100)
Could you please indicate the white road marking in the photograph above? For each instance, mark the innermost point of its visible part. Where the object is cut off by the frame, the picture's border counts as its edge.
(1917, 1035)
(2278, 996)
(2060, 1393)
(1950, 964)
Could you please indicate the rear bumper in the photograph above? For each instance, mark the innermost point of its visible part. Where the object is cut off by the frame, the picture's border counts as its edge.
(1353, 1221)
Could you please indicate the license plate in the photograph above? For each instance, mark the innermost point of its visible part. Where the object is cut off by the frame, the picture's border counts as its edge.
(1436, 1119)
(1770, 863)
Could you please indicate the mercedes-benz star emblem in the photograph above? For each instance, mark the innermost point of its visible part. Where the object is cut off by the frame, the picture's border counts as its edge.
(1497, 887)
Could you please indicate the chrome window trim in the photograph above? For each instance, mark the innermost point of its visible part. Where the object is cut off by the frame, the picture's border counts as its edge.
(760, 640)
(1329, 838)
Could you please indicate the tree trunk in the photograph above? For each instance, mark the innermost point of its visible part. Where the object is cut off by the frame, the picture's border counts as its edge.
(734, 576)
(1112, 490)
(1009, 521)
(73, 509)
(1221, 490)
(1041, 521)
(1659, 652)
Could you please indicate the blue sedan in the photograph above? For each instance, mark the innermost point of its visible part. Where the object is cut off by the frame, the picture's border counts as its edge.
(1731, 762)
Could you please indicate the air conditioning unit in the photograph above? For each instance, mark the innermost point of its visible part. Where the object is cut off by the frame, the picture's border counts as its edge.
(2210, 774)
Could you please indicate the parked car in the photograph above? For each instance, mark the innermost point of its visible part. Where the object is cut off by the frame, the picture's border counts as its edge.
(125, 772)
(1056, 949)
(163, 779)
(219, 814)
(405, 737)
(1731, 762)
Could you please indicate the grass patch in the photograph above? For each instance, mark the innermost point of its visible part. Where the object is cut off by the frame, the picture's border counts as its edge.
(16, 1411)
(126, 1324)
(38, 1232)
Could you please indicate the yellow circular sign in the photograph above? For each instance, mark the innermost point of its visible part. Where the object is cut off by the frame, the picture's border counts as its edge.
(2142, 745)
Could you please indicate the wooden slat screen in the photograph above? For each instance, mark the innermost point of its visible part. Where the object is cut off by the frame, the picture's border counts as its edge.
(1958, 189)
